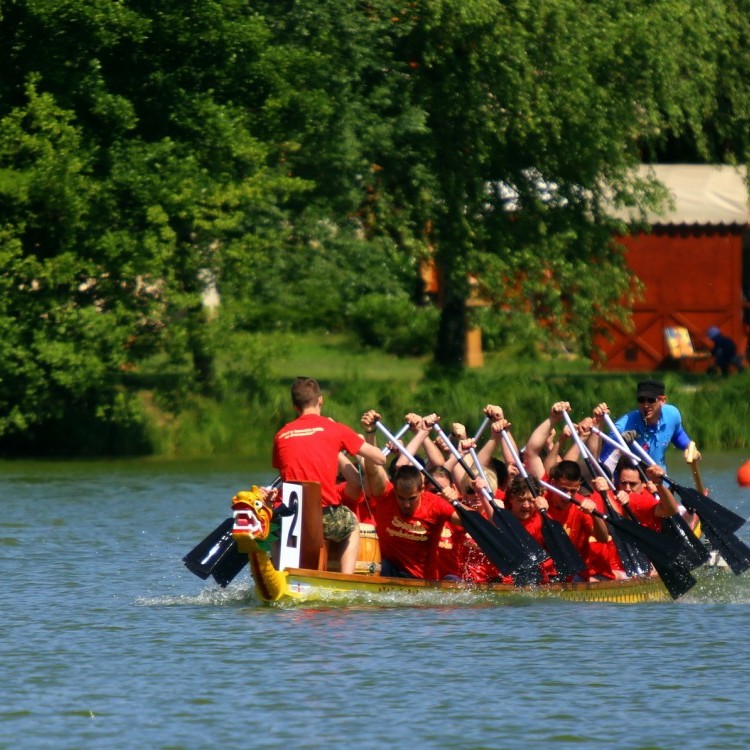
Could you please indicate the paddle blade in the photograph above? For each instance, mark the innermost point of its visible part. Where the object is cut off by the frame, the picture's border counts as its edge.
(694, 552)
(668, 557)
(656, 546)
(676, 578)
(733, 550)
(708, 509)
(503, 552)
(507, 522)
(567, 560)
(207, 553)
(634, 561)
(229, 565)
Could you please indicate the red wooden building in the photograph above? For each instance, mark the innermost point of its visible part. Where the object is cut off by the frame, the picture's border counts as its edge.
(694, 266)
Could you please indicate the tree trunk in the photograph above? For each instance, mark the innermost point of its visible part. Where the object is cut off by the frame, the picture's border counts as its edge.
(200, 350)
(451, 342)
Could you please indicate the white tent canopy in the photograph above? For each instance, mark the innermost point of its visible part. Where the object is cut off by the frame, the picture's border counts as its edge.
(707, 194)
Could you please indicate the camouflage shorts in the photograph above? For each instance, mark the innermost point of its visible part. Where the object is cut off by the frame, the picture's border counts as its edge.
(338, 522)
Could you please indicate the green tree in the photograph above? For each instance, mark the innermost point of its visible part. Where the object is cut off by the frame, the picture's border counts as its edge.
(536, 112)
(129, 178)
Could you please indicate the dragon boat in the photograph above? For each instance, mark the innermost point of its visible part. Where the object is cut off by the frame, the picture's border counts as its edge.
(289, 562)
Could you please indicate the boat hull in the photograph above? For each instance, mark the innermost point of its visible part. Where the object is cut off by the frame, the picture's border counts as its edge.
(311, 585)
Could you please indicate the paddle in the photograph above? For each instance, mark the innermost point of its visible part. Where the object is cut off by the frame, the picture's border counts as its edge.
(721, 516)
(217, 555)
(204, 557)
(568, 562)
(691, 460)
(388, 450)
(714, 519)
(694, 551)
(626, 447)
(481, 429)
(501, 549)
(662, 552)
(501, 517)
(634, 561)
(526, 576)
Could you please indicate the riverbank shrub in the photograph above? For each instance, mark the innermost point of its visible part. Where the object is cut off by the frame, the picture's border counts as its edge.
(715, 410)
(393, 323)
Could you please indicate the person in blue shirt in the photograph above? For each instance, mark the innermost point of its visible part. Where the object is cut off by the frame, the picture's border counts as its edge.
(655, 423)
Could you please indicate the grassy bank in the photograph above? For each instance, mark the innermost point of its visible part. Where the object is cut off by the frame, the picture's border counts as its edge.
(716, 411)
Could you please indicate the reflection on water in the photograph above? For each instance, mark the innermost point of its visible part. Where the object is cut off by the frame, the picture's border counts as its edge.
(108, 639)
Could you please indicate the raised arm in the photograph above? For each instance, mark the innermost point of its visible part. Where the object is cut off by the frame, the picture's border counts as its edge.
(537, 443)
(593, 441)
(667, 503)
(498, 423)
(420, 428)
(377, 478)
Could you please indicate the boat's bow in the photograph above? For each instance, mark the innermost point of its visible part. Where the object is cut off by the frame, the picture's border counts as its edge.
(252, 530)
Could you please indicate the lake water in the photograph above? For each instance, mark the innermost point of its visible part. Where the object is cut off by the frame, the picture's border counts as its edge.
(108, 641)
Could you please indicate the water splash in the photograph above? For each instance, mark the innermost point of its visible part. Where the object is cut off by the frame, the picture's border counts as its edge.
(212, 596)
(719, 586)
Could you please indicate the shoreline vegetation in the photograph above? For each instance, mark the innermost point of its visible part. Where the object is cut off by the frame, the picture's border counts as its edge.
(164, 416)
(185, 196)
(242, 422)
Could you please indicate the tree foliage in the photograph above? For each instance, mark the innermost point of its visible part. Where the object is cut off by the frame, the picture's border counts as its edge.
(304, 157)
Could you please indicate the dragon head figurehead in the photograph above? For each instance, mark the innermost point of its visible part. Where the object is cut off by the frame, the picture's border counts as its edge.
(252, 518)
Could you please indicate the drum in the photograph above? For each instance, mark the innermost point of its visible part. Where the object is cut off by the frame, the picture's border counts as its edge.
(369, 548)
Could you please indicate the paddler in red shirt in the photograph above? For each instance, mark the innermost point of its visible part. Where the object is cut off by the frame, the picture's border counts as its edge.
(642, 498)
(577, 521)
(408, 518)
(526, 507)
(307, 449)
(605, 556)
(452, 547)
(477, 566)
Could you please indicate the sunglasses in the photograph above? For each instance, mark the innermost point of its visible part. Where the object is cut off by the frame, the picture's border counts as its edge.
(646, 400)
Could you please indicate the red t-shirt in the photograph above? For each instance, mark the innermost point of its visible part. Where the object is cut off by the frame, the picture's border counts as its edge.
(362, 507)
(477, 566)
(534, 526)
(604, 558)
(451, 551)
(644, 505)
(410, 542)
(480, 570)
(579, 526)
(307, 450)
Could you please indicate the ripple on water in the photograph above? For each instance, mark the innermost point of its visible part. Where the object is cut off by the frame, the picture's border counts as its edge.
(107, 639)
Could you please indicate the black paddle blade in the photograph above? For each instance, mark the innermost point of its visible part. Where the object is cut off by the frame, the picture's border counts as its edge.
(207, 553)
(657, 547)
(229, 565)
(664, 552)
(694, 552)
(674, 572)
(733, 550)
(503, 552)
(506, 521)
(675, 577)
(634, 561)
(719, 516)
(567, 560)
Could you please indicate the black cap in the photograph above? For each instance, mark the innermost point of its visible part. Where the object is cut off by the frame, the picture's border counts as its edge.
(650, 389)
